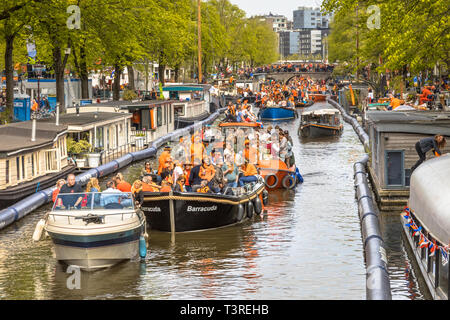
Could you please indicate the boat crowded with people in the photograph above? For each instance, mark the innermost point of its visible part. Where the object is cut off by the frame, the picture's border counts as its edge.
(269, 149)
(320, 122)
(94, 230)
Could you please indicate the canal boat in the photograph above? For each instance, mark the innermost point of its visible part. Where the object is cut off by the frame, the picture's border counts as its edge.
(192, 211)
(426, 223)
(321, 122)
(277, 113)
(317, 96)
(102, 231)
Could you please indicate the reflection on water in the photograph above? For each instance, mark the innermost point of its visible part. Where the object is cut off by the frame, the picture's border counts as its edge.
(308, 246)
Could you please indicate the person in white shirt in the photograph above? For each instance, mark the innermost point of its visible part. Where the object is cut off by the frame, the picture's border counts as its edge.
(177, 171)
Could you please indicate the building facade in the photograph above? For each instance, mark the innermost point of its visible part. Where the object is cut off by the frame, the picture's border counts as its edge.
(310, 18)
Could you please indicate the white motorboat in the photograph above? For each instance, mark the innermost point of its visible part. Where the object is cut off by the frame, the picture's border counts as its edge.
(102, 230)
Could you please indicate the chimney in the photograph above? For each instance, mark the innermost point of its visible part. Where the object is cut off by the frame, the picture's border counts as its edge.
(57, 114)
(33, 128)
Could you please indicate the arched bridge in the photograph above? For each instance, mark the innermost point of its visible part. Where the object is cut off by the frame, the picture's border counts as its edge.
(287, 76)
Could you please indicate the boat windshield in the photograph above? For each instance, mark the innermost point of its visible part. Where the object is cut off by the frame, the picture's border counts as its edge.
(94, 201)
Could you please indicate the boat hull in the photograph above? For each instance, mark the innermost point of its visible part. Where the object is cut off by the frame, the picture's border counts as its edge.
(276, 114)
(316, 131)
(317, 97)
(93, 247)
(97, 258)
(196, 212)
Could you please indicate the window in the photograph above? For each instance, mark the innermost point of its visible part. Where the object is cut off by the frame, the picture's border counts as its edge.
(18, 168)
(51, 160)
(7, 172)
(395, 174)
(158, 116)
(99, 137)
(32, 166)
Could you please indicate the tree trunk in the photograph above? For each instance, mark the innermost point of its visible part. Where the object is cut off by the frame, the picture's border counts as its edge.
(84, 75)
(59, 77)
(161, 73)
(177, 73)
(116, 84)
(131, 84)
(9, 72)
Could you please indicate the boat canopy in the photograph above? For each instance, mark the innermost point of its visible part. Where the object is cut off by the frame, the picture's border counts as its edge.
(321, 112)
(429, 197)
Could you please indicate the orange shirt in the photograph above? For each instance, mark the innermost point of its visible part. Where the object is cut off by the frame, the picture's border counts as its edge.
(55, 194)
(207, 173)
(250, 170)
(147, 188)
(197, 150)
(124, 186)
(251, 154)
(166, 189)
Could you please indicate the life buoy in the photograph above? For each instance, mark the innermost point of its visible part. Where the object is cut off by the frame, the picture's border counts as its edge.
(266, 179)
(240, 213)
(288, 182)
(257, 205)
(250, 209)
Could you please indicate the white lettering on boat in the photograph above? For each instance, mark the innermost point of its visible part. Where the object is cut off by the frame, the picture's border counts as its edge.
(154, 209)
(201, 209)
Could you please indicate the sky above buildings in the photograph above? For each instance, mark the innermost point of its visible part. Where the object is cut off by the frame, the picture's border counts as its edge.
(281, 7)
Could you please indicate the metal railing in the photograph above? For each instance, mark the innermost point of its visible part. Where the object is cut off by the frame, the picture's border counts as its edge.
(137, 143)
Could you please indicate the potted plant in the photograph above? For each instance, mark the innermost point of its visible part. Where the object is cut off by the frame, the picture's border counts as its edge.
(77, 150)
(94, 157)
(139, 140)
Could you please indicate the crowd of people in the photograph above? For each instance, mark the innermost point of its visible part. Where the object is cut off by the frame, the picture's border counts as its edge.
(288, 95)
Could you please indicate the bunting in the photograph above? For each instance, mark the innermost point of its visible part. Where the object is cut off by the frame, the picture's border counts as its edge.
(424, 241)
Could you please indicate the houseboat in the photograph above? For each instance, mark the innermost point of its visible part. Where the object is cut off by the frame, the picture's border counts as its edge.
(105, 132)
(191, 103)
(393, 136)
(150, 119)
(426, 223)
(28, 166)
(101, 231)
(320, 123)
(192, 211)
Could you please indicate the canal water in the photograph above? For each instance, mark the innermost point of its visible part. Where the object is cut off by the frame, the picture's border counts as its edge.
(307, 246)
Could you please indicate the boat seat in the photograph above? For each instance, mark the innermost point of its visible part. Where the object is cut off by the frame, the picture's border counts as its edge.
(113, 205)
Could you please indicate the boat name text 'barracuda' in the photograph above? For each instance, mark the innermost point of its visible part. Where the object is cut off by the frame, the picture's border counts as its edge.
(201, 209)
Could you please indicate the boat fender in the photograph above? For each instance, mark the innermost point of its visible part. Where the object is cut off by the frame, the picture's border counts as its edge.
(265, 197)
(240, 213)
(298, 175)
(266, 178)
(250, 209)
(288, 182)
(257, 205)
(37, 235)
(142, 247)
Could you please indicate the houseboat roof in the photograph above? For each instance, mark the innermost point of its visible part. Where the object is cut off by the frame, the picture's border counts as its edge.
(16, 137)
(87, 120)
(425, 122)
(429, 198)
(121, 104)
(182, 88)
